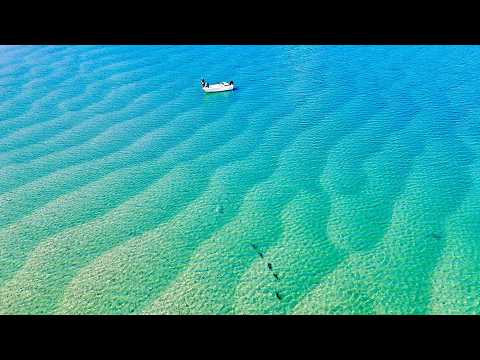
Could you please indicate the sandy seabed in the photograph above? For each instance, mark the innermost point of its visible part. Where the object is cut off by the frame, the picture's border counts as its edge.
(334, 180)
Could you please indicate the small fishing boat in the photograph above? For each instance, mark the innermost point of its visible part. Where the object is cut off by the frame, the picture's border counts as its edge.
(223, 86)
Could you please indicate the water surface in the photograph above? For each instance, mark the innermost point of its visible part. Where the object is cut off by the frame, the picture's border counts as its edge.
(334, 180)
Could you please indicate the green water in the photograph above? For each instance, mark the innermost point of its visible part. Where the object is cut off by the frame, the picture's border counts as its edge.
(334, 180)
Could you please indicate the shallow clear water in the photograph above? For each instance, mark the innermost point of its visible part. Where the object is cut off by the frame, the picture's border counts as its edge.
(335, 179)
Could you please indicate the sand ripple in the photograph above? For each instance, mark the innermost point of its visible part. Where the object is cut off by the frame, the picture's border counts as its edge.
(337, 179)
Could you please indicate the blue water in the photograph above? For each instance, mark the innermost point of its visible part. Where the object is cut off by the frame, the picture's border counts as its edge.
(334, 179)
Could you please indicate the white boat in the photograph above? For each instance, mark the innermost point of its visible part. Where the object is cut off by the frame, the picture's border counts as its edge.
(223, 86)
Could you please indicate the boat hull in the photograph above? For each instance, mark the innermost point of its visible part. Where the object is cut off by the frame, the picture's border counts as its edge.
(218, 88)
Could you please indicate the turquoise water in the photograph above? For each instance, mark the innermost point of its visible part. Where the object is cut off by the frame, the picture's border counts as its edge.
(334, 180)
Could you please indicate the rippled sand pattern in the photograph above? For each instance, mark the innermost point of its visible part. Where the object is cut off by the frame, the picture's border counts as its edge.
(335, 180)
